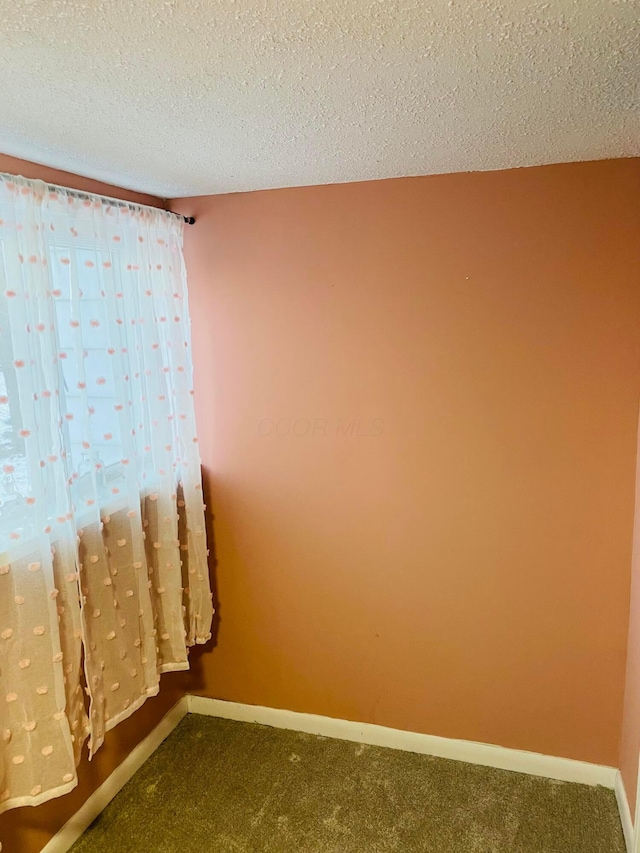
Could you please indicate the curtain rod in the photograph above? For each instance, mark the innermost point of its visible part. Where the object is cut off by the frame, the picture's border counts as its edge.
(117, 202)
(188, 220)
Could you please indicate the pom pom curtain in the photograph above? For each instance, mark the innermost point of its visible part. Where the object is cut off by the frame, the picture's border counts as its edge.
(103, 557)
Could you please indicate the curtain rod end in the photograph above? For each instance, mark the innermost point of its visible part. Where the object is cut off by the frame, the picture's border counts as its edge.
(189, 220)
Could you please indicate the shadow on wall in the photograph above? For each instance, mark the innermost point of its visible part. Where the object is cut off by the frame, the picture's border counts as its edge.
(28, 829)
(195, 680)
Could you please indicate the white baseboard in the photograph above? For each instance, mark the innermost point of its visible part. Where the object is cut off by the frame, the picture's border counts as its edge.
(102, 796)
(488, 755)
(625, 812)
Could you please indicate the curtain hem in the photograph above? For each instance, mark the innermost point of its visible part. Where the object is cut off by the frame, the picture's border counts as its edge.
(182, 666)
(127, 712)
(44, 797)
(78, 521)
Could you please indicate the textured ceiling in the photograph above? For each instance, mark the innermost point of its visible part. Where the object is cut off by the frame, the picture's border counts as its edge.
(188, 97)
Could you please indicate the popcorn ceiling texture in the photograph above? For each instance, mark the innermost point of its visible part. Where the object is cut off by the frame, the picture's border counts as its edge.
(185, 98)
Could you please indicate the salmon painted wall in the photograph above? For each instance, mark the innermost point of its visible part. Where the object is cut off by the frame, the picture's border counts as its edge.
(418, 404)
(630, 744)
(27, 830)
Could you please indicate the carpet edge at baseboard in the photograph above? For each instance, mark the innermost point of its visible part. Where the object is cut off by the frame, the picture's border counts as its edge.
(488, 755)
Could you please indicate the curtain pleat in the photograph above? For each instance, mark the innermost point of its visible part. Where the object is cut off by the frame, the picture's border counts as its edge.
(104, 582)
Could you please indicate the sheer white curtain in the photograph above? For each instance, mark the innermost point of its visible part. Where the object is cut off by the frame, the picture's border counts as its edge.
(103, 555)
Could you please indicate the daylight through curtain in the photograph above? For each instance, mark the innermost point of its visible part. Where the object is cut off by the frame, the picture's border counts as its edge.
(103, 556)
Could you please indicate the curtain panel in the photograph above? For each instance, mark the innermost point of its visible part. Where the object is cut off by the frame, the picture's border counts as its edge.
(103, 557)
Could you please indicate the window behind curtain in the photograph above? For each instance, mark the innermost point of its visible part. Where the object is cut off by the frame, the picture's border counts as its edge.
(104, 580)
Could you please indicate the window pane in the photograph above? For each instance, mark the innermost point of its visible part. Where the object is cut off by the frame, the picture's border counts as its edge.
(15, 478)
(88, 343)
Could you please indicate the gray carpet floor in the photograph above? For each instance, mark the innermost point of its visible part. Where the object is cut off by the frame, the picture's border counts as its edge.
(216, 786)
